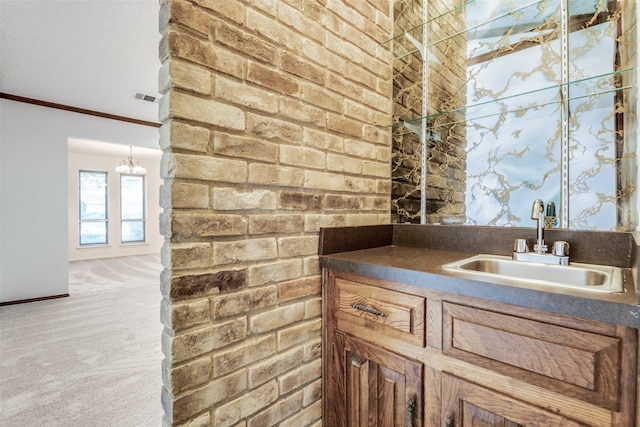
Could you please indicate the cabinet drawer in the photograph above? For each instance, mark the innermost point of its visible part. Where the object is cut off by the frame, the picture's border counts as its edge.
(378, 314)
(576, 363)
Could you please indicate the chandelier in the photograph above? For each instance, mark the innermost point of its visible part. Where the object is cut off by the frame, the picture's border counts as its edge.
(127, 166)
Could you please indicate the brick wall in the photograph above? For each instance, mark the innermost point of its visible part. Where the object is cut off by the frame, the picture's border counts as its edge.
(271, 129)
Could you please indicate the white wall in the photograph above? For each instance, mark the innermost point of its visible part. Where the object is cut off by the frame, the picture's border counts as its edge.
(97, 156)
(34, 195)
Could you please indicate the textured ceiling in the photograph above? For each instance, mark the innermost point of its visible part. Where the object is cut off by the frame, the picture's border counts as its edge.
(89, 54)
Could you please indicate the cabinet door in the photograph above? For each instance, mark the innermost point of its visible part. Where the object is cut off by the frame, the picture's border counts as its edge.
(465, 404)
(381, 389)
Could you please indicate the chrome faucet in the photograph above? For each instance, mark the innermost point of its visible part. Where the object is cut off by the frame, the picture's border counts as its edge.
(560, 255)
(537, 212)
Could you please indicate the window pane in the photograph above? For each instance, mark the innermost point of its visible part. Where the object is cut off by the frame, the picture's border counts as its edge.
(131, 197)
(132, 231)
(93, 232)
(93, 195)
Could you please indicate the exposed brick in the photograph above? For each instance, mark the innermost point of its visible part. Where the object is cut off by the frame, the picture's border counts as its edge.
(247, 96)
(206, 168)
(186, 14)
(190, 404)
(302, 156)
(344, 125)
(277, 318)
(184, 136)
(300, 22)
(299, 201)
(246, 405)
(190, 375)
(341, 85)
(376, 135)
(299, 334)
(270, 128)
(300, 288)
(303, 68)
(277, 412)
(362, 219)
(243, 147)
(382, 170)
(343, 48)
(181, 316)
(360, 185)
(359, 112)
(313, 349)
(296, 246)
(299, 377)
(197, 285)
(299, 111)
(317, 53)
(305, 417)
(201, 341)
(340, 202)
(276, 175)
(276, 365)
(360, 149)
(225, 198)
(230, 9)
(321, 98)
(207, 225)
(184, 75)
(281, 224)
(325, 181)
(186, 195)
(274, 272)
(323, 140)
(203, 420)
(376, 100)
(201, 52)
(313, 308)
(186, 106)
(245, 43)
(274, 80)
(244, 251)
(312, 393)
(339, 163)
(248, 352)
(182, 256)
(311, 266)
(236, 303)
(278, 34)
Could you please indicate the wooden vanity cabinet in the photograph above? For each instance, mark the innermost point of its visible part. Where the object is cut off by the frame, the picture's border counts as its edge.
(401, 355)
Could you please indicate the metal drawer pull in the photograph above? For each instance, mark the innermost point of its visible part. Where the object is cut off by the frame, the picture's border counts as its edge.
(368, 310)
(411, 406)
(449, 422)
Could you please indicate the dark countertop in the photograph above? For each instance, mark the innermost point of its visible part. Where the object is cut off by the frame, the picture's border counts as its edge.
(414, 254)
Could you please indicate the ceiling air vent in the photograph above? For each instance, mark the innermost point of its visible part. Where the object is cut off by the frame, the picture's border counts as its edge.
(145, 97)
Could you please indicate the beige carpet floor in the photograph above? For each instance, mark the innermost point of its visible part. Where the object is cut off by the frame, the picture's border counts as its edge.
(92, 359)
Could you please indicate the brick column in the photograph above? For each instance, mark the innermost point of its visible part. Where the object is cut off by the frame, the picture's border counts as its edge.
(272, 115)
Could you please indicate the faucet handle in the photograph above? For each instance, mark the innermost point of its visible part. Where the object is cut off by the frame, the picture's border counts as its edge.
(520, 246)
(537, 209)
(560, 248)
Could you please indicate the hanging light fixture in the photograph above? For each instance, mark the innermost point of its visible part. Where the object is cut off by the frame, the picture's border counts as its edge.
(127, 166)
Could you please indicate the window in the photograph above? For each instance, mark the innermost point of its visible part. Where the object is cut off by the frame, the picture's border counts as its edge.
(132, 209)
(94, 221)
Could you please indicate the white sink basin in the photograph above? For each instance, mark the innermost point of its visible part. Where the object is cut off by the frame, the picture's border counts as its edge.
(588, 277)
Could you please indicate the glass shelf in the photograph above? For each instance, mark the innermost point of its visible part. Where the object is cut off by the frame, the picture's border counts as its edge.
(413, 34)
(417, 122)
(419, 27)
